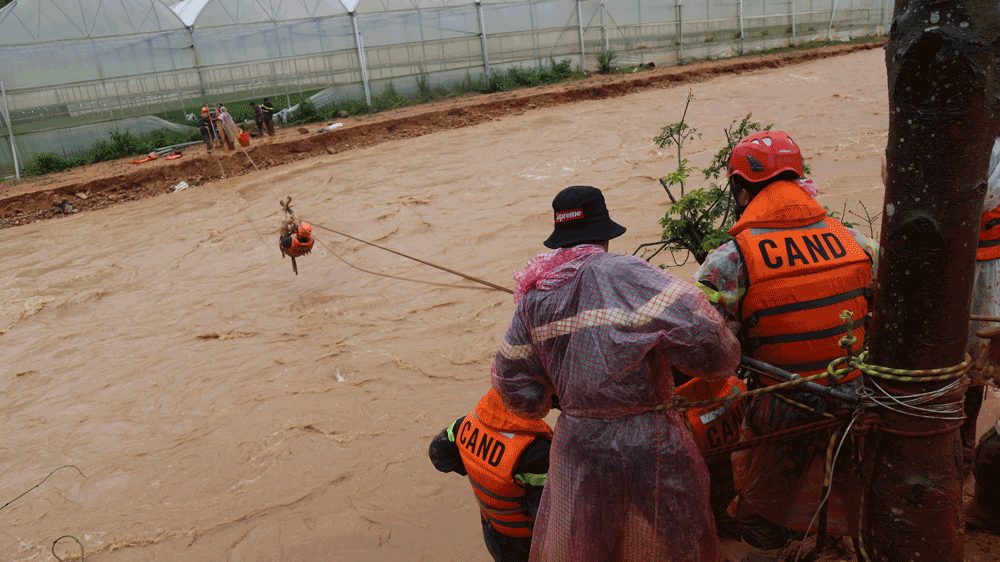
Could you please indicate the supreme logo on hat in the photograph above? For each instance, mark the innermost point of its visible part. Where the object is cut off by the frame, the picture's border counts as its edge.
(570, 215)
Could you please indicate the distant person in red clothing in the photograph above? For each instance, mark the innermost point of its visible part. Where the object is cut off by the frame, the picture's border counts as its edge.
(506, 458)
(258, 118)
(205, 128)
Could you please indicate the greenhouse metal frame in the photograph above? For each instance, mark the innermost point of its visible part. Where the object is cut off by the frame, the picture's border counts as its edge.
(73, 70)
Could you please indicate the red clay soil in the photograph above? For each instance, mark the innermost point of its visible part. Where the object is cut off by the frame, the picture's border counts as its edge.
(101, 185)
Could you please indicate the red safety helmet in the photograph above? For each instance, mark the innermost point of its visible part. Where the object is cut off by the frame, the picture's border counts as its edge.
(761, 156)
(305, 230)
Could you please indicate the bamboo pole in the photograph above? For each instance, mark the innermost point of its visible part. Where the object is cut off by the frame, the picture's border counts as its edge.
(942, 89)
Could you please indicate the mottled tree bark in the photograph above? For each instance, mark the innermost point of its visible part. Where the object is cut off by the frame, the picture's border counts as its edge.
(941, 60)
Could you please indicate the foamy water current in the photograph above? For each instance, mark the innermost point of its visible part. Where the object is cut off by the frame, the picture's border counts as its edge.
(225, 409)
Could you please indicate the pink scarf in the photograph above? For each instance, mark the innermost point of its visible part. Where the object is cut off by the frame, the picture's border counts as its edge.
(550, 270)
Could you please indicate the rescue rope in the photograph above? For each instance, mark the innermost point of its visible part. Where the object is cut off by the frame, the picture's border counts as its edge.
(42, 482)
(831, 463)
(386, 275)
(980, 318)
(681, 404)
(801, 406)
(841, 366)
(493, 286)
(83, 557)
(774, 437)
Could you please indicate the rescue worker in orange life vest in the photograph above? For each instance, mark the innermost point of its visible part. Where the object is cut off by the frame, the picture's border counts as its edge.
(506, 458)
(781, 284)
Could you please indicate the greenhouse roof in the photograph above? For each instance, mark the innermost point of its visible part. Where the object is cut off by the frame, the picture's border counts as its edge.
(36, 21)
(207, 13)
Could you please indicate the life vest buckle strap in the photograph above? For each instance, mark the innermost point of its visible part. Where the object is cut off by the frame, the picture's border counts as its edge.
(754, 318)
(496, 511)
(756, 342)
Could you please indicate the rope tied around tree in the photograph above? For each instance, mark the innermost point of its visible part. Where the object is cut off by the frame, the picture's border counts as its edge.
(929, 405)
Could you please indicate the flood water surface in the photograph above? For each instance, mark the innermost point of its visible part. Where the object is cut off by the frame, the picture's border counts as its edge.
(223, 408)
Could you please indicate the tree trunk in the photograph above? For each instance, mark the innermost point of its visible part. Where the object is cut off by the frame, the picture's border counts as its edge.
(942, 98)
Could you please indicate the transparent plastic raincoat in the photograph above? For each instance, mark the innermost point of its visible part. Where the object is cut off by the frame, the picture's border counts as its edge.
(600, 331)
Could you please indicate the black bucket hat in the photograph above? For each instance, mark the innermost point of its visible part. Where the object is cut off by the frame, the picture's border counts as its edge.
(581, 216)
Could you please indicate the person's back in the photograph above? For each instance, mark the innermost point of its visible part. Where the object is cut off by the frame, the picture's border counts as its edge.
(506, 458)
(783, 282)
(601, 331)
(267, 115)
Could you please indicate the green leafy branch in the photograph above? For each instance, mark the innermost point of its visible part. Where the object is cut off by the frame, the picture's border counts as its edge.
(698, 221)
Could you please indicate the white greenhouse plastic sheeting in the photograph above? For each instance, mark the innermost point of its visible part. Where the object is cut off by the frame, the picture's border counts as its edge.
(68, 63)
(77, 140)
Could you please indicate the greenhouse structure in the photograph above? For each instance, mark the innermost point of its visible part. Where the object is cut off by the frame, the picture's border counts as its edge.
(71, 71)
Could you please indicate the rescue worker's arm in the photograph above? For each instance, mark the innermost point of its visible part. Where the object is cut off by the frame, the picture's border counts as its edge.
(444, 452)
(531, 471)
(517, 373)
(869, 246)
(695, 337)
(723, 278)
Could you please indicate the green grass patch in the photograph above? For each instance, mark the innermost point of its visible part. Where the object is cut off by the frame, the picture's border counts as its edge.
(512, 79)
(119, 145)
(816, 44)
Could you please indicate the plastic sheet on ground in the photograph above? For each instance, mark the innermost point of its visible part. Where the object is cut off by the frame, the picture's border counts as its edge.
(601, 331)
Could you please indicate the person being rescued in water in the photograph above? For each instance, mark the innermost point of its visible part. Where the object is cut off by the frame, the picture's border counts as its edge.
(507, 459)
(295, 236)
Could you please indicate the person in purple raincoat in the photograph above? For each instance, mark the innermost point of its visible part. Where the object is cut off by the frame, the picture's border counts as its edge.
(600, 332)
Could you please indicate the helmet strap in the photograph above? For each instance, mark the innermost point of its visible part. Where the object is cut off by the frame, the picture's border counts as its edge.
(734, 191)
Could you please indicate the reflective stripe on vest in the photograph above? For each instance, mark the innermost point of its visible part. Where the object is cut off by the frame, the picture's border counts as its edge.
(489, 457)
(801, 278)
(989, 235)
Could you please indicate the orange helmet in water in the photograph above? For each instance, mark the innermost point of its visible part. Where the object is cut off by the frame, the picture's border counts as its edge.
(763, 155)
(305, 230)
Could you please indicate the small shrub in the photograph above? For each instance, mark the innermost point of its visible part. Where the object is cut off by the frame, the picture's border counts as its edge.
(307, 113)
(524, 78)
(47, 163)
(604, 61)
(388, 99)
(423, 85)
(496, 83)
(101, 151)
(125, 144)
(562, 69)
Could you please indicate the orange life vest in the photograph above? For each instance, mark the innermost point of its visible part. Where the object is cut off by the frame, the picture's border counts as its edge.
(804, 269)
(491, 441)
(299, 248)
(718, 424)
(989, 236)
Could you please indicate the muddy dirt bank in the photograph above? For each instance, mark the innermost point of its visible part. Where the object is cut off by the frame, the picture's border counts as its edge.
(108, 183)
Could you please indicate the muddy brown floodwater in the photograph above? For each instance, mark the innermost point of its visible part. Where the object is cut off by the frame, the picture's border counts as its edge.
(225, 409)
